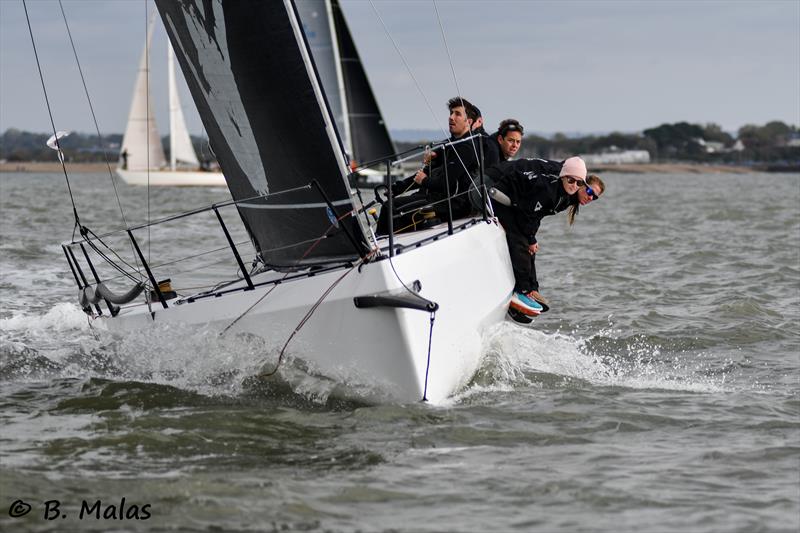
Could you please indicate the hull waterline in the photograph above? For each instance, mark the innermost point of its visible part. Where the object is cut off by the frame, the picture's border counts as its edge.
(168, 178)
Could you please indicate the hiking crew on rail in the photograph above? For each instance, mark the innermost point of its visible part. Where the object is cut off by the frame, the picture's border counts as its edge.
(451, 166)
(529, 190)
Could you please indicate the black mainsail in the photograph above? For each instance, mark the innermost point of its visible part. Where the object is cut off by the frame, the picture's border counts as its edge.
(253, 80)
(369, 137)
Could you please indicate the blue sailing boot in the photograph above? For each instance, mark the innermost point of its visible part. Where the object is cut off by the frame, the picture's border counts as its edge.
(524, 304)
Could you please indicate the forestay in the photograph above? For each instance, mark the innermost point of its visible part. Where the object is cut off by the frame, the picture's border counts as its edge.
(254, 83)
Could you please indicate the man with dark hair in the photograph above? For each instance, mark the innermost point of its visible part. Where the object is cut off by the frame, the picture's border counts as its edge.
(508, 138)
(449, 169)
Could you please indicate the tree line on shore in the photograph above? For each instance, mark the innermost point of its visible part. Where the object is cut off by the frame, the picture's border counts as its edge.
(774, 142)
(17, 145)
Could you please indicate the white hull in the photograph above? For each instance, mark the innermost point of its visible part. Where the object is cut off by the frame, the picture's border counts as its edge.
(468, 274)
(372, 176)
(169, 178)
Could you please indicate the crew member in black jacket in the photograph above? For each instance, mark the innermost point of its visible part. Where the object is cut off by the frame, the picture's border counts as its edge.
(453, 165)
(508, 138)
(536, 188)
(490, 150)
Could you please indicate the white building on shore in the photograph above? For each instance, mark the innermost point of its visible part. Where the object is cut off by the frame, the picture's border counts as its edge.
(617, 157)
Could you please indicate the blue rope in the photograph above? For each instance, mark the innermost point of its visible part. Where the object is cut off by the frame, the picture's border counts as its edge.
(428, 364)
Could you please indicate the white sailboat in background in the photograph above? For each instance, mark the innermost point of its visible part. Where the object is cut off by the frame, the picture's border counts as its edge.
(142, 159)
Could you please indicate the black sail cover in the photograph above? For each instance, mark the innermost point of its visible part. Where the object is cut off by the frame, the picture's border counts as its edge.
(252, 78)
(370, 138)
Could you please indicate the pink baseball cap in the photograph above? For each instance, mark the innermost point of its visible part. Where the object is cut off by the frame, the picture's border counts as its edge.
(575, 167)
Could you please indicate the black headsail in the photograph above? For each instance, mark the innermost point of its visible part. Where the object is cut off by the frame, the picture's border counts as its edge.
(370, 138)
(253, 80)
(317, 22)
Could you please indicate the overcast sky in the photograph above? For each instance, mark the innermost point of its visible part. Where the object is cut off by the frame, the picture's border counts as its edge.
(570, 66)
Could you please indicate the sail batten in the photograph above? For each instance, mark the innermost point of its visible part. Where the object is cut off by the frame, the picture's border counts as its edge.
(253, 81)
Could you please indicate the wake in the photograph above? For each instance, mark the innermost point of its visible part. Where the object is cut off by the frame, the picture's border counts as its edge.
(62, 343)
(526, 357)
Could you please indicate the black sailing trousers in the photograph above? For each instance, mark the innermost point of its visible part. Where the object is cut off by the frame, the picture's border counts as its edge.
(522, 261)
(402, 223)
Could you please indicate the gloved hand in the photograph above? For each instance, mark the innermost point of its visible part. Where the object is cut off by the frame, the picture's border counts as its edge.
(399, 187)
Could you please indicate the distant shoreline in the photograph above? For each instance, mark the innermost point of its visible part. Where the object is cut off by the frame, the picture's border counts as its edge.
(39, 166)
(672, 168)
(624, 168)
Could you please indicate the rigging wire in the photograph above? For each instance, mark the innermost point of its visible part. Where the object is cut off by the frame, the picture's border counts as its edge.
(366, 258)
(97, 129)
(308, 251)
(94, 117)
(419, 88)
(108, 260)
(52, 122)
(428, 360)
(405, 63)
(147, 115)
(452, 68)
(311, 312)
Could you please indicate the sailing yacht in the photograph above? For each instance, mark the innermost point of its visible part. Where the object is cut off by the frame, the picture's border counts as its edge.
(142, 159)
(404, 314)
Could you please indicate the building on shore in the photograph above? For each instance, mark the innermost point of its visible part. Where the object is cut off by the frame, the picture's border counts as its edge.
(615, 156)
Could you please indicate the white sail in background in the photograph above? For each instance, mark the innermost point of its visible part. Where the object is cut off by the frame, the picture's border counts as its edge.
(317, 20)
(141, 145)
(180, 144)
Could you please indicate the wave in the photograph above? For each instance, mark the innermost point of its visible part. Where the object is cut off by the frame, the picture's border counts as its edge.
(199, 360)
(60, 318)
(525, 357)
(62, 343)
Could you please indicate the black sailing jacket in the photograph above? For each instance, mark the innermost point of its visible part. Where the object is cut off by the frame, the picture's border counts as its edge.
(493, 139)
(535, 190)
(455, 164)
(491, 150)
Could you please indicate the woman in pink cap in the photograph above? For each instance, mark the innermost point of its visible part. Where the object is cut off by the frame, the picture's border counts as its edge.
(524, 192)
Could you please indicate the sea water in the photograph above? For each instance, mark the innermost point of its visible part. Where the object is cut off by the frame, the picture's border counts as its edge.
(660, 393)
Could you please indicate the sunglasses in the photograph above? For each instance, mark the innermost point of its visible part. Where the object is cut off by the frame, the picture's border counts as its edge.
(511, 127)
(573, 181)
(593, 195)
